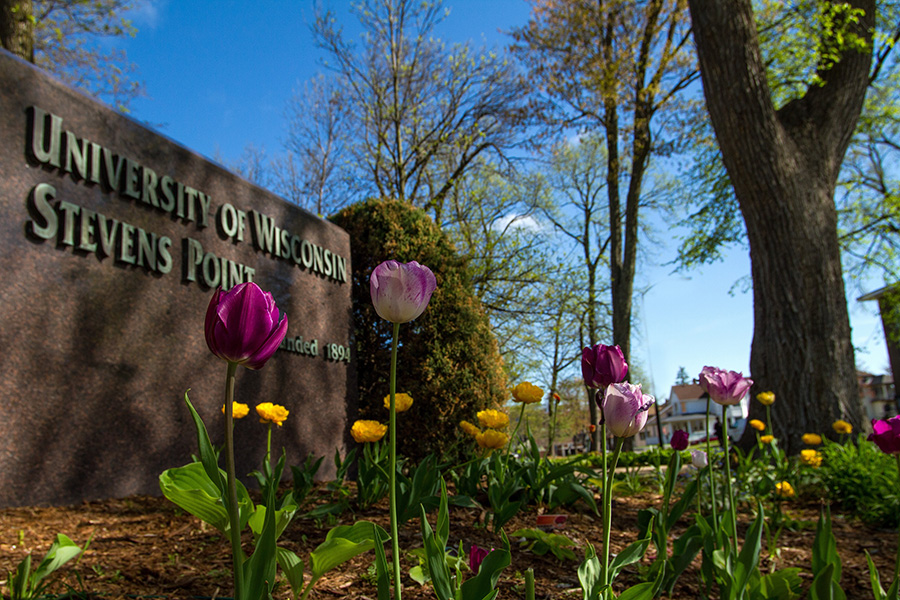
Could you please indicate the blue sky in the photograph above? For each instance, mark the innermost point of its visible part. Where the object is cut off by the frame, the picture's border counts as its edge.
(219, 76)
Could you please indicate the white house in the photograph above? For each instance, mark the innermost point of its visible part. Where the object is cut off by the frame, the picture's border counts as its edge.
(686, 409)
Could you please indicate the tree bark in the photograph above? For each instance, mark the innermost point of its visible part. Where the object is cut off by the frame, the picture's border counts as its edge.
(784, 165)
(17, 28)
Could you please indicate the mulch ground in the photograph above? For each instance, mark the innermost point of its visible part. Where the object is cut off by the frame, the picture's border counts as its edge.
(146, 547)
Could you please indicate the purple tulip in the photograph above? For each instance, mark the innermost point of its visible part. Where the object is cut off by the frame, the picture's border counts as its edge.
(401, 291)
(679, 440)
(724, 387)
(476, 555)
(625, 409)
(602, 366)
(886, 434)
(243, 325)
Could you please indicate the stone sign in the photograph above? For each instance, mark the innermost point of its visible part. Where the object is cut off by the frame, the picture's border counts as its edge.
(113, 239)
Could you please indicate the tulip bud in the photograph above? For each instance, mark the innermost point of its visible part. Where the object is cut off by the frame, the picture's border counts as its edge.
(724, 387)
(679, 440)
(401, 291)
(698, 459)
(602, 366)
(243, 326)
(625, 409)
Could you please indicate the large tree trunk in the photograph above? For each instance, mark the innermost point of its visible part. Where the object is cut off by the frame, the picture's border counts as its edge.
(783, 165)
(16, 28)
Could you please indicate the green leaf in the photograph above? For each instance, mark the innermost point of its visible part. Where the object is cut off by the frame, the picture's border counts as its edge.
(632, 554)
(283, 517)
(435, 559)
(259, 569)
(381, 566)
(341, 544)
(781, 585)
(686, 500)
(207, 452)
(590, 574)
(824, 548)
(190, 488)
(292, 567)
(875, 580)
(749, 556)
(61, 551)
(641, 591)
(824, 587)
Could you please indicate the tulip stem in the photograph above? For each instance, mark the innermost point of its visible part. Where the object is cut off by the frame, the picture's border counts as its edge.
(395, 537)
(709, 466)
(732, 509)
(607, 510)
(509, 444)
(897, 563)
(231, 486)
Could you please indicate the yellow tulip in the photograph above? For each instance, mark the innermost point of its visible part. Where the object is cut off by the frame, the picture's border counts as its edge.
(493, 419)
(784, 489)
(757, 425)
(238, 410)
(841, 427)
(402, 402)
(766, 398)
(527, 393)
(368, 431)
(491, 438)
(271, 413)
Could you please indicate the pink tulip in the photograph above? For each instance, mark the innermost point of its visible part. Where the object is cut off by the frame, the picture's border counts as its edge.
(679, 440)
(602, 366)
(625, 409)
(724, 387)
(243, 325)
(886, 434)
(401, 291)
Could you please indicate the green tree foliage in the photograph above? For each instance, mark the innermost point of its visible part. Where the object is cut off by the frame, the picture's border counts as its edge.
(64, 38)
(795, 51)
(448, 359)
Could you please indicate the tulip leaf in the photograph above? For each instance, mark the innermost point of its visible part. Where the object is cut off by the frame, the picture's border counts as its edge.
(207, 452)
(630, 555)
(61, 551)
(875, 579)
(435, 558)
(641, 591)
(749, 557)
(824, 549)
(292, 567)
(381, 567)
(824, 587)
(259, 569)
(590, 574)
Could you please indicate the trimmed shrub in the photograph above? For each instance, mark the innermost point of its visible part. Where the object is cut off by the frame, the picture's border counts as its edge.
(448, 359)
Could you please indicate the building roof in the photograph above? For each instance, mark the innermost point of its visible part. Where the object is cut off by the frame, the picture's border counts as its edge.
(876, 294)
(688, 391)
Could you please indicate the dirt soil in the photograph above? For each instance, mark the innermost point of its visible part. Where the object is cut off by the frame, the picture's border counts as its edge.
(146, 547)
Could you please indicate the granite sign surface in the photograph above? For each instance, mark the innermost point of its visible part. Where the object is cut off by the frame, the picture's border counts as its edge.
(113, 240)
